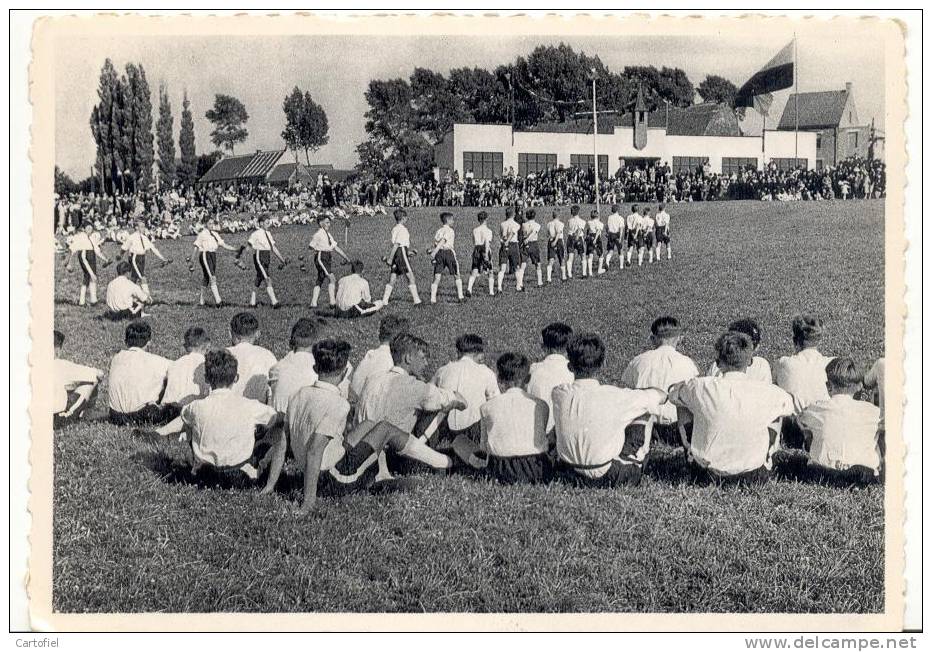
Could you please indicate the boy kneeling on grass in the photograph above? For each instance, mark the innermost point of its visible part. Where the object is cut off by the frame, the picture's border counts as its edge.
(316, 419)
(236, 437)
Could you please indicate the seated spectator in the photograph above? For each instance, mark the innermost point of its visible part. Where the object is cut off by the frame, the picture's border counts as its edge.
(125, 299)
(75, 388)
(185, 381)
(759, 368)
(379, 359)
(137, 381)
(475, 382)
(253, 361)
(554, 369)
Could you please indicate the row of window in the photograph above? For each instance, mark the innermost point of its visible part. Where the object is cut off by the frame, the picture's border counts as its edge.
(489, 165)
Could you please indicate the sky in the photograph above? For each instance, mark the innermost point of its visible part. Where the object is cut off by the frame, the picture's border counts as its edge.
(261, 70)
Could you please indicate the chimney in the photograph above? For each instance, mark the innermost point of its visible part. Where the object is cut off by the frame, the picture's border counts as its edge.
(848, 86)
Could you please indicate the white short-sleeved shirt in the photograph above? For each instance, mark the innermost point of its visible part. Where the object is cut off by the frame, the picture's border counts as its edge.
(396, 396)
(594, 227)
(377, 360)
(633, 221)
(137, 244)
(530, 231)
(323, 241)
(290, 374)
(253, 364)
(136, 378)
(482, 235)
(184, 380)
(208, 241)
(401, 236)
(647, 223)
(84, 242)
(68, 376)
(875, 378)
(514, 423)
(803, 376)
(352, 289)
(509, 230)
(662, 219)
(759, 369)
(591, 418)
(223, 426)
(844, 433)
(319, 409)
(576, 226)
(261, 240)
(123, 294)
(476, 383)
(659, 368)
(445, 237)
(731, 419)
(555, 229)
(550, 372)
(615, 223)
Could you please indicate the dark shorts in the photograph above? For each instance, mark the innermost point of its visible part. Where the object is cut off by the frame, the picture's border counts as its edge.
(619, 474)
(59, 421)
(532, 252)
(480, 259)
(702, 475)
(137, 266)
(649, 238)
(361, 309)
(445, 260)
(262, 261)
(663, 235)
(632, 238)
(510, 254)
(594, 246)
(340, 480)
(791, 434)
(323, 263)
(521, 469)
(556, 250)
(151, 414)
(576, 245)
(639, 239)
(235, 476)
(400, 264)
(208, 263)
(855, 475)
(123, 314)
(88, 265)
(613, 242)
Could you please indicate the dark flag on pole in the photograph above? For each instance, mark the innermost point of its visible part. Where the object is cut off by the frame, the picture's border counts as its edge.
(775, 76)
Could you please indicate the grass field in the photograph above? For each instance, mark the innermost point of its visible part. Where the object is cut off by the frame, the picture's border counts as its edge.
(132, 534)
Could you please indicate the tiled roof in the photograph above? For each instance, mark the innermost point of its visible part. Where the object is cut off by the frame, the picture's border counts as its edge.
(245, 167)
(282, 172)
(820, 109)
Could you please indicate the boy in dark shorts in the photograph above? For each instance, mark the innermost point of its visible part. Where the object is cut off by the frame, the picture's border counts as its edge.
(575, 241)
(263, 246)
(399, 259)
(556, 246)
(323, 244)
(482, 237)
(509, 253)
(530, 248)
(443, 256)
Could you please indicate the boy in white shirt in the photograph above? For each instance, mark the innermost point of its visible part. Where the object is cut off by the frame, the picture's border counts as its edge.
(353, 296)
(842, 433)
(296, 369)
(473, 380)
(632, 231)
(530, 248)
(323, 244)
(124, 298)
(802, 374)
(137, 245)
(185, 381)
(874, 380)
(554, 369)
(137, 381)
(379, 359)
(575, 241)
(263, 246)
(253, 362)
(594, 229)
(75, 386)
(509, 253)
(646, 241)
(482, 237)
(591, 419)
(556, 247)
(443, 257)
(759, 368)
(398, 258)
(86, 246)
(206, 244)
(662, 223)
(615, 230)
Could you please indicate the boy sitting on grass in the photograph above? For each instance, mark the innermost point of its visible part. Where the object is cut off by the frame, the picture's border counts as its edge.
(75, 386)
(137, 382)
(316, 423)
(841, 432)
(236, 437)
(184, 381)
(469, 376)
(353, 296)
(125, 299)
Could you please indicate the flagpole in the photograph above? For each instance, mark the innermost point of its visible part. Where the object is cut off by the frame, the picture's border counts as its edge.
(796, 94)
(595, 149)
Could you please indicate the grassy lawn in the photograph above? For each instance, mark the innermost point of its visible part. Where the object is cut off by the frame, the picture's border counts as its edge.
(133, 534)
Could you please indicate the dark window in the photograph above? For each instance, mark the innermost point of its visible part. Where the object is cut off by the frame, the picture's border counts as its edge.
(852, 140)
(535, 163)
(689, 163)
(790, 163)
(818, 164)
(737, 164)
(483, 165)
(584, 162)
(818, 141)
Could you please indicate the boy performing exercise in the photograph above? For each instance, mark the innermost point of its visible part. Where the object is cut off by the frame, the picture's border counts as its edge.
(662, 223)
(136, 245)
(398, 258)
(481, 254)
(323, 244)
(509, 253)
(124, 298)
(556, 247)
(206, 245)
(575, 241)
(632, 232)
(443, 257)
(615, 230)
(647, 237)
(263, 246)
(594, 229)
(353, 296)
(316, 423)
(530, 248)
(86, 246)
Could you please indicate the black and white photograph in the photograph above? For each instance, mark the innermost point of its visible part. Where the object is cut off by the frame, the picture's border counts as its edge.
(467, 323)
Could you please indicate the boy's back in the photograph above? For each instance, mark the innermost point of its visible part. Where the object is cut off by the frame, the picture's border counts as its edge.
(254, 363)
(136, 378)
(474, 381)
(223, 426)
(844, 432)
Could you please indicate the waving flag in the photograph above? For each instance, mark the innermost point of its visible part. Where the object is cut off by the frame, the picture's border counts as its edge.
(775, 76)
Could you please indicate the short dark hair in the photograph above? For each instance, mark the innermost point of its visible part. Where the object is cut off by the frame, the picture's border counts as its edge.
(733, 349)
(574, 210)
(220, 368)
(123, 267)
(244, 324)
(531, 214)
(586, 353)
(58, 338)
(482, 217)
(445, 216)
(807, 329)
(634, 208)
(749, 327)
(405, 343)
(615, 208)
(556, 336)
(399, 213)
(321, 218)
(661, 206)
(469, 343)
(509, 212)
(843, 372)
(392, 325)
(263, 217)
(331, 355)
(357, 266)
(513, 368)
(195, 337)
(593, 214)
(137, 333)
(303, 333)
(665, 327)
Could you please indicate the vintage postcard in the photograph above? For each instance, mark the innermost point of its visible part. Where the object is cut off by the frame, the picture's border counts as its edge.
(451, 322)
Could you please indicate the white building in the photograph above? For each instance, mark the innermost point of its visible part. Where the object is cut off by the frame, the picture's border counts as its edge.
(685, 139)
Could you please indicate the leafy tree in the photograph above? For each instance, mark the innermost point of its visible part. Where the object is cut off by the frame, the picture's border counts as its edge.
(306, 123)
(665, 85)
(228, 116)
(207, 161)
(139, 138)
(166, 141)
(436, 107)
(563, 77)
(718, 89)
(64, 185)
(187, 171)
(107, 126)
(484, 95)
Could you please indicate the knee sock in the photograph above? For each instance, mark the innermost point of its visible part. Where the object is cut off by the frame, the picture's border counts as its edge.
(83, 292)
(414, 295)
(540, 279)
(271, 292)
(669, 252)
(332, 293)
(202, 296)
(563, 272)
(491, 284)
(470, 283)
(459, 288)
(252, 298)
(549, 272)
(569, 267)
(315, 295)
(415, 449)
(92, 291)
(519, 281)
(501, 279)
(433, 292)
(387, 294)
(215, 291)
(145, 288)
